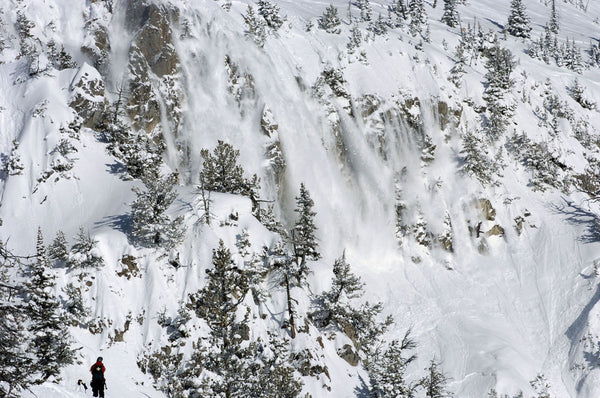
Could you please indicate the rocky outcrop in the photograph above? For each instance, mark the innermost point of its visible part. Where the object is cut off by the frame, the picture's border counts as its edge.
(448, 115)
(348, 355)
(153, 64)
(87, 95)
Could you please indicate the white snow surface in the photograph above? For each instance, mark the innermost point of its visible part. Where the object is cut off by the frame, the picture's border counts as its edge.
(497, 320)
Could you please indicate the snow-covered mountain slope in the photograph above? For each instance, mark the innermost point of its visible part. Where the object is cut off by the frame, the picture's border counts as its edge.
(372, 131)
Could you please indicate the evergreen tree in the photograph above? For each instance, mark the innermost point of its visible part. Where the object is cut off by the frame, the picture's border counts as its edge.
(330, 21)
(15, 351)
(518, 20)
(553, 23)
(255, 27)
(222, 354)
(418, 16)
(51, 339)
(476, 162)
(338, 308)
(151, 225)
(450, 17)
(387, 368)
(57, 251)
(83, 253)
(421, 231)
(288, 272)
(74, 304)
(270, 12)
(355, 39)
(578, 93)
(435, 382)
(303, 235)
(379, 27)
(399, 11)
(365, 10)
(222, 173)
(498, 82)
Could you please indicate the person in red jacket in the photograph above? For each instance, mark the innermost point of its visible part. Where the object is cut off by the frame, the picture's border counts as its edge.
(98, 380)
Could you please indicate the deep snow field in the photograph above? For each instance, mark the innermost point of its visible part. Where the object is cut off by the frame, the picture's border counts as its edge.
(528, 305)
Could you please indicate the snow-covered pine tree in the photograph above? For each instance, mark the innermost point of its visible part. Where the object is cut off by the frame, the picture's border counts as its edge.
(255, 27)
(450, 16)
(151, 225)
(304, 233)
(270, 12)
(518, 20)
(553, 23)
(476, 162)
(222, 353)
(399, 12)
(355, 38)
(222, 173)
(330, 21)
(435, 382)
(16, 370)
(498, 82)
(366, 11)
(418, 17)
(339, 308)
(74, 304)
(379, 27)
(51, 339)
(578, 93)
(57, 250)
(83, 253)
(387, 368)
(421, 231)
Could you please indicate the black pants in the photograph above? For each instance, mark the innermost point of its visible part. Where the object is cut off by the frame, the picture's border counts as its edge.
(98, 388)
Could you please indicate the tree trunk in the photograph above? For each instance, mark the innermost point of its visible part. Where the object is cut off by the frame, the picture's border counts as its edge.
(290, 309)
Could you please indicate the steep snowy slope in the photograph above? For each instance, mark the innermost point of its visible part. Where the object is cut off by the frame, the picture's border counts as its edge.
(515, 297)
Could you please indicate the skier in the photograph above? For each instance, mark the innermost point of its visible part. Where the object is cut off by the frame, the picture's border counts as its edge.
(98, 380)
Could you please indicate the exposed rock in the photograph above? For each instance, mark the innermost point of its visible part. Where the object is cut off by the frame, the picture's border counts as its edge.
(496, 230)
(143, 107)
(447, 115)
(152, 52)
(87, 95)
(487, 210)
(348, 355)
